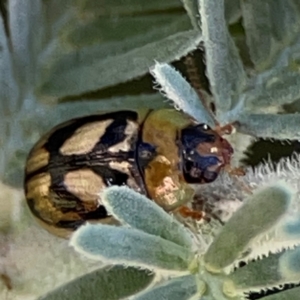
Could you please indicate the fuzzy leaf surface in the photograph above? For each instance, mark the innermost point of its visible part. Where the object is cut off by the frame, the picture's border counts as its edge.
(128, 32)
(108, 283)
(123, 7)
(26, 26)
(109, 40)
(224, 66)
(8, 87)
(78, 74)
(182, 288)
(272, 271)
(131, 247)
(232, 11)
(266, 37)
(174, 87)
(281, 87)
(285, 126)
(256, 216)
(292, 294)
(192, 9)
(141, 213)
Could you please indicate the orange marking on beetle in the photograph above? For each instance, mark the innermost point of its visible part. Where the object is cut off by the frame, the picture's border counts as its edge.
(186, 212)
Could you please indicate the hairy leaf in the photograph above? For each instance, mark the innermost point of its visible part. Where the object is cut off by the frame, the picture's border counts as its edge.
(124, 7)
(130, 247)
(174, 87)
(192, 9)
(266, 37)
(26, 28)
(108, 283)
(182, 288)
(270, 125)
(258, 214)
(232, 11)
(269, 272)
(292, 294)
(8, 88)
(80, 74)
(279, 88)
(127, 32)
(141, 213)
(224, 66)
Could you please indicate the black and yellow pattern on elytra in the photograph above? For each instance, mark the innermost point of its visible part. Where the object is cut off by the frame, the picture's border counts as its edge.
(156, 153)
(67, 169)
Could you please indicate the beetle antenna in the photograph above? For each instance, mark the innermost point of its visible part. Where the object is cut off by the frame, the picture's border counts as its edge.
(226, 129)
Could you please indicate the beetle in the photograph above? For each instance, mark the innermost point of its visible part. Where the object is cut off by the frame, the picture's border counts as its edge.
(158, 153)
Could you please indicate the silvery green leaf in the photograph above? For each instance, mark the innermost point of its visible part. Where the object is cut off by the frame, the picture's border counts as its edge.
(182, 288)
(285, 126)
(79, 73)
(232, 11)
(56, 16)
(297, 5)
(78, 23)
(290, 229)
(8, 88)
(288, 28)
(139, 212)
(121, 7)
(272, 271)
(174, 87)
(279, 88)
(258, 214)
(192, 9)
(258, 28)
(289, 265)
(265, 35)
(108, 283)
(224, 66)
(115, 35)
(130, 32)
(292, 294)
(129, 247)
(26, 26)
(62, 50)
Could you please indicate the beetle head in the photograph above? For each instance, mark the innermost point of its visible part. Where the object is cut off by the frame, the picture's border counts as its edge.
(204, 153)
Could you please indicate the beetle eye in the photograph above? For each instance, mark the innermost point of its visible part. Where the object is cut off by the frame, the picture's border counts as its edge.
(205, 127)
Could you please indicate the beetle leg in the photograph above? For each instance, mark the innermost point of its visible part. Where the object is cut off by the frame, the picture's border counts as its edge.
(187, 212)
(226, 129)
(237, 171)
